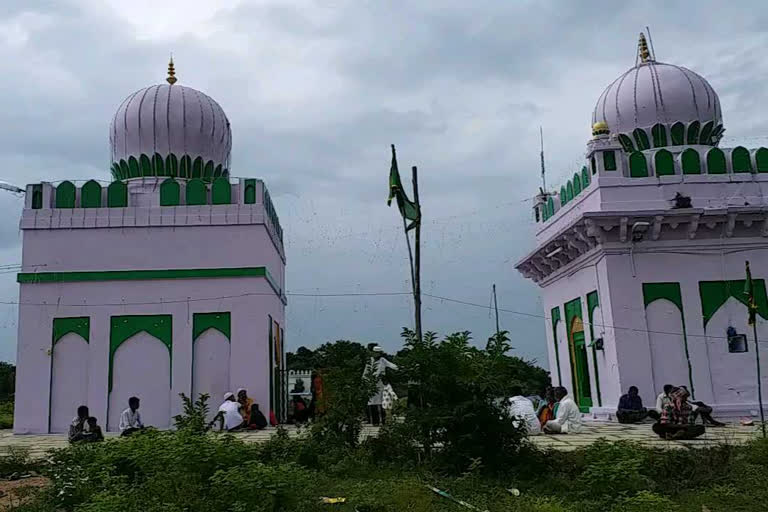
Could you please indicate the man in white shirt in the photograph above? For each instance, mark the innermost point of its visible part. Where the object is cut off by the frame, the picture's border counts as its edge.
(229, 416)
(377, 367)
(568, 418)
(130, 419)
(521, 408)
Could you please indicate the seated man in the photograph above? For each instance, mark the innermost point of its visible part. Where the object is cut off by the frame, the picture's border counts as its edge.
(568, 416)
(675, 422)
(78, 429)
(663, 398)
(256, 420)
(228, 416)
(703, 410)
(130, 419)
(631, 408)
(94, 433)
(521, 409)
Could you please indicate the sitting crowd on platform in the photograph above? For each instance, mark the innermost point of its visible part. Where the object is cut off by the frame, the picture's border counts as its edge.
(240, 413)
(557, 413)
(85, 428)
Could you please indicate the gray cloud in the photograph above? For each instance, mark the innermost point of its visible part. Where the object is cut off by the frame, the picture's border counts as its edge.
(316, 94)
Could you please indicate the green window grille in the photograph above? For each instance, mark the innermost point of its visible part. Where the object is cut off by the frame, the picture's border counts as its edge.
(691, 162)
(638, 167)
(664, 163)
(761, 159)
(741, 160)
(90, 195)
(659, 134)
(65, 195)
(197, 194)
(609, 160)
(221, 191)
(716, 161)
(117, 195)
(678, 134)
(170, 192)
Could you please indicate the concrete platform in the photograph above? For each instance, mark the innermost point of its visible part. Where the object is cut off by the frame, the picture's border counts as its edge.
(39, 445)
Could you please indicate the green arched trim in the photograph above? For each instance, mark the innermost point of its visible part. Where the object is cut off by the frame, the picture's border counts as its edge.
(196, 192)
(626, 143)
(582, 388)
(124, 327)
(718, 131)
(80, 325)
(569, 191)
(638, 167)
(761, 159)
(146, 166)
(716, 161)
(117, 195)
(158, 165)
(125, 172)
(217, 171)
(706, 133)
(641, 138)
(201, 322)
(249, 195)
(117, 173)
(671, 292)
(693, 132)
(715, 293)
(690, 161)
(609, 161)
(550, 207)
(133, 167)
(555, 319)
(563, 196)
(576, 185)
(741, 160)
(221, 191)
(592, 303)
(65, 195)
(90, 195)
(172, 165)
(208, 170)
(677, 132)
(664, 163)
(585, 176)
(659, 134)
(197, 168)
(170, 192)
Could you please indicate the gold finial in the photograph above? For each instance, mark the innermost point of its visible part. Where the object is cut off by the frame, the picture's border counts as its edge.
(642, 49)
(171, 72)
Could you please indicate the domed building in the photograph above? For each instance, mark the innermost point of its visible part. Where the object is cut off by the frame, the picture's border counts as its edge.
(167, 280)
(640, 256)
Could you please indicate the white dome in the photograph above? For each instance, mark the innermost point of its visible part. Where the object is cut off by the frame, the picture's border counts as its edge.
(155, 128)
(657, 93)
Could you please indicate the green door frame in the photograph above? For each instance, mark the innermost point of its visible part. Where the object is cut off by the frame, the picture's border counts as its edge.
(577, 348)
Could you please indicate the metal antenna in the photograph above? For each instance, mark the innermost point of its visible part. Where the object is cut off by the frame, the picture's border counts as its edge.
(650, 41)
(543, 170)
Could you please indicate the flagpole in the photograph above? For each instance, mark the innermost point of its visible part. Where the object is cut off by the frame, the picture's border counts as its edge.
(759, 380)
(417, 257)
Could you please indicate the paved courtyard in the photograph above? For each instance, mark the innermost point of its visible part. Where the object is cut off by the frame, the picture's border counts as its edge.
(732, 434)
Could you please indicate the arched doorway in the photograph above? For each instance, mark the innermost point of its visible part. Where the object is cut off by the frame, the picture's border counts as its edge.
(582, 391)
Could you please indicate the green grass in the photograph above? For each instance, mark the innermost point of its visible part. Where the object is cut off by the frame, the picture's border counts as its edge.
(6, 415)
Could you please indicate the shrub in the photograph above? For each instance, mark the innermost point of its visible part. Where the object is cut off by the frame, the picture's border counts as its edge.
(195, 414)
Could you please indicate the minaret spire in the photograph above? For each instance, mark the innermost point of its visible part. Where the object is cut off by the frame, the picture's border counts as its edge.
(642, 49)
(171, 72)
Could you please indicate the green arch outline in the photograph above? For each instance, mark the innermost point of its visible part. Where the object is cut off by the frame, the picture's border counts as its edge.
(124, 327)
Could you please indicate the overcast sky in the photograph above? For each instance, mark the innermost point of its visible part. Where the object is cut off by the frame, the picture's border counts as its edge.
(316, 92)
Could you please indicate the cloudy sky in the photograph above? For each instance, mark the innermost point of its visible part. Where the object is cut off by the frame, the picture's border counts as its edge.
(316, 92)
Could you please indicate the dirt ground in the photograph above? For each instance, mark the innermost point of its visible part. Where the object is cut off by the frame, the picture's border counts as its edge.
(13, 492)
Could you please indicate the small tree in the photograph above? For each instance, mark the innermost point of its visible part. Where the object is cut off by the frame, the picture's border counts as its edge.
(194, 418)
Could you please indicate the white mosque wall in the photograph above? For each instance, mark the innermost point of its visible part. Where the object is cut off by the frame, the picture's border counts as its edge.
(734, 377)
(142, 368)
(249, 300)
(667, 345)
(210, 369)
(587, 275)
(688, 265)
(69, 380)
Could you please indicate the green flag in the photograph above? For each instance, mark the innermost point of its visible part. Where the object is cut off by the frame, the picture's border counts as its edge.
(408, 209)
(749, 291)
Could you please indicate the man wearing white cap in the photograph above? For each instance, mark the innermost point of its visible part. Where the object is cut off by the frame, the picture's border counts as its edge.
(229, 416)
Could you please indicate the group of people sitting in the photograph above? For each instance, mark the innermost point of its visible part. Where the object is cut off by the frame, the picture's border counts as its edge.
(556, 414)
(675, 415)
(85, 428)
(240, 413)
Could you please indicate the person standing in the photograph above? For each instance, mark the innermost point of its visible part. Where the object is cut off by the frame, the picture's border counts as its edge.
(376, 368)
(130, 419)
(568, 418)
